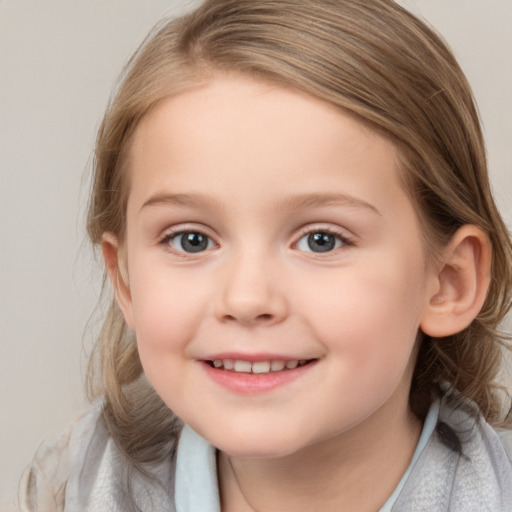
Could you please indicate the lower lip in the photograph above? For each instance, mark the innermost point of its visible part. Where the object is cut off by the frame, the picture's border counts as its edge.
(255, 382)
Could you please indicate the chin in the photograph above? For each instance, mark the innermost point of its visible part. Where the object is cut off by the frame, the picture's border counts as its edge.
(261, 451)
(257, 445)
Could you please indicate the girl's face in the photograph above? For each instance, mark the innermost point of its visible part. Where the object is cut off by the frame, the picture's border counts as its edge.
(275, 268)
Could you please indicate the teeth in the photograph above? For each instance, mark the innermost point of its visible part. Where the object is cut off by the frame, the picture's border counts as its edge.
(261, 367)
(228, 364)
(242, 366)
(277, 366)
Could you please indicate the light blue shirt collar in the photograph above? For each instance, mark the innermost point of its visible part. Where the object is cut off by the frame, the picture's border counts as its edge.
(196, 474)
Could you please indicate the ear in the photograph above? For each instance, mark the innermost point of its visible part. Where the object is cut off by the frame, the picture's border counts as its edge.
(461, 283)
(117, 269)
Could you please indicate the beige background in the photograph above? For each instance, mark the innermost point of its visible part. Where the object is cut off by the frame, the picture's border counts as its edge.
(59, 59)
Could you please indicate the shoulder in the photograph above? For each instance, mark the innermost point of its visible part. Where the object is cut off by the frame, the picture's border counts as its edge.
(505, 436)
(82, 470)
(43, 484)
(465, 466)
(482, 476)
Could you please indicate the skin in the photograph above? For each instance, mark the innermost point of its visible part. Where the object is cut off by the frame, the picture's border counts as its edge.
(249, 150)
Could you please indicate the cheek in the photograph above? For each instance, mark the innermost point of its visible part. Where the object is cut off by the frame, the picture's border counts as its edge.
(371, 312)
(168, 307)
(167, 314)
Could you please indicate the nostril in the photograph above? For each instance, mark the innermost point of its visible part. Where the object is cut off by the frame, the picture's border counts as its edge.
(263, 318)
(251, 310)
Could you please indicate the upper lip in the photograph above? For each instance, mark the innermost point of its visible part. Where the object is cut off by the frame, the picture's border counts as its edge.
(253, 358)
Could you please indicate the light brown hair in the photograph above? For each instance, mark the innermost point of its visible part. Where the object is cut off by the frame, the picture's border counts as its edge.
(371, 58)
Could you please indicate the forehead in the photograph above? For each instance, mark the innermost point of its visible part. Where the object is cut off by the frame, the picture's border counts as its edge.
(236, 136)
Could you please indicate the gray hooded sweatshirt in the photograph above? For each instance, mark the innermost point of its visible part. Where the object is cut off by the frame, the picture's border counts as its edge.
(461, 464)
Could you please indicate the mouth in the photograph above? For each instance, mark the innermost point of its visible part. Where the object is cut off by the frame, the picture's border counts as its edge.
(257, 375)
(258, 367)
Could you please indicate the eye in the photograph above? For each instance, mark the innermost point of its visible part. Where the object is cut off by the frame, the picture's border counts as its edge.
(321, 241)
(188, 241)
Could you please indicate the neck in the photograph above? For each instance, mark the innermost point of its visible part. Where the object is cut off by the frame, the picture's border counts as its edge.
(332, 475)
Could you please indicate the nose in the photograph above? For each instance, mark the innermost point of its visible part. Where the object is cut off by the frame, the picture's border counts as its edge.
(251, 293)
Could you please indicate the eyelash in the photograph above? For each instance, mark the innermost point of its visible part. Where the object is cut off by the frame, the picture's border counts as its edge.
(166, 240)
(342, 238)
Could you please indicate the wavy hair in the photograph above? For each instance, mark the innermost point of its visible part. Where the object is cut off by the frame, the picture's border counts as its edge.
(371, 58)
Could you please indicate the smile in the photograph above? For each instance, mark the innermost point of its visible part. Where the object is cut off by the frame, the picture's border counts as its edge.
(241, 366)
(258, 375)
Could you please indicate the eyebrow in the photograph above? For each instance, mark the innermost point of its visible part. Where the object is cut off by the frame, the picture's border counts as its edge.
(317, 200)
(186, 200)
(292, 203)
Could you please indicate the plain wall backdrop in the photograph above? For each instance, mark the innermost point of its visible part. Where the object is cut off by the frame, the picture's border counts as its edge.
(59, 60)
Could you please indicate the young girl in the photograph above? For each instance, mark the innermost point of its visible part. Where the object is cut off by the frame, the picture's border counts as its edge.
(292, 203)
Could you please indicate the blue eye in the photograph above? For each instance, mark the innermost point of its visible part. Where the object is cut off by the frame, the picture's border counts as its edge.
(320, 241)
(189, 241)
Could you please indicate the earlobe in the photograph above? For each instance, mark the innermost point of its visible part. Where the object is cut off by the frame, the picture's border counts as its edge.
(115, 262)
(462, 282)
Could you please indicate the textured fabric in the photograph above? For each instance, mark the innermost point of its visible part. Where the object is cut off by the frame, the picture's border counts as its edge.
(83, 471)
(428, 428)
(473, 476)
(463, 467)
